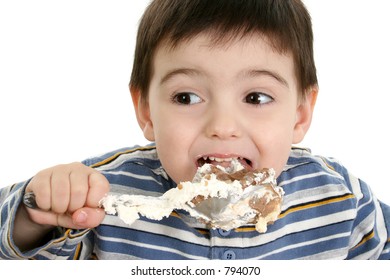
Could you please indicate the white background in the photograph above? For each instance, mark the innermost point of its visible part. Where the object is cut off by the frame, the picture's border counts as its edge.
(106, 269)
(65, 67)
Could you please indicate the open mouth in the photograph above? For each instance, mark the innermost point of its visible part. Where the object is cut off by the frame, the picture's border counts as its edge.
(224, 161)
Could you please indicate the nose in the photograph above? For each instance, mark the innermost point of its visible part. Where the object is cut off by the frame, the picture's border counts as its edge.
(223, 123)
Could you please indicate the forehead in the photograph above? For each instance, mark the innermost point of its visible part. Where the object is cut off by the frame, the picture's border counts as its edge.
(214, 40)
(228, 55)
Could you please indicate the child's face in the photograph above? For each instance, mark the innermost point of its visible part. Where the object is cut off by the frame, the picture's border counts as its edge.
(238, 99)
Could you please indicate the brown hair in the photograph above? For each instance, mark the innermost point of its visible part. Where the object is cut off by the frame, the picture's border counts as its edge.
(285, 23)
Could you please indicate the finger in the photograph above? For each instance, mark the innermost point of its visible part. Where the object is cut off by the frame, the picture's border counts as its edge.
(40, 186)
(98, 188)
(50, 218)
(60, 190)
(81, 219)
(88, 217)
(43, 217)
(78, 190)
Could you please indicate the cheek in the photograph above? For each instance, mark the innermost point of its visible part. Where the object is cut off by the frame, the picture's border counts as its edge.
(280, 155)
(173, 133)
(173, 141)
(175, 161)
(274, 142)
(274, 152)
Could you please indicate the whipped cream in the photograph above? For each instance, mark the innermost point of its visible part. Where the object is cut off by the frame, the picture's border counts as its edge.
(224, 204)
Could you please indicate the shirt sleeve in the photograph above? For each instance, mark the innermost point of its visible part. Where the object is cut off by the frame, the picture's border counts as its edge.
(370, 233)
(385, 254)
(61, 243)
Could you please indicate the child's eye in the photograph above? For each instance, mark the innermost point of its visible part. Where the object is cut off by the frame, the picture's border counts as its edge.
(258, 98)
(186, 98)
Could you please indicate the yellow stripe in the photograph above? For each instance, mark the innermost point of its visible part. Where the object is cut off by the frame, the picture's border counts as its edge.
(62, 238)
(365, 239)
(78, 234)
(111, 158)
(327, 164)
(77, 253)
(315, 204)
(203, 231)
(245, 229)
(174, 214)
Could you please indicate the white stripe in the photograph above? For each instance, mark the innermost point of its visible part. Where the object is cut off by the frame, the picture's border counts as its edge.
(386, 251)
(50, 256)
(355, 186)
(116, 189)
(149, 246)
(362, 229)
(381, 229)
(306, 176)
(302, 244)
(314, 194)
(335, 254)
(142, 154)
(133, 175)
(163, 230)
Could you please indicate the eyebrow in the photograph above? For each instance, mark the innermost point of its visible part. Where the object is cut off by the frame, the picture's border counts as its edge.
(179, 71)
(272, 74)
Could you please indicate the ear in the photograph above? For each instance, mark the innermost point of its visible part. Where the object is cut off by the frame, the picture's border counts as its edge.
(304, 116)
(142, 112)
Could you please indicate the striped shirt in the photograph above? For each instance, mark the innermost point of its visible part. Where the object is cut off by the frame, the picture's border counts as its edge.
(327, 213)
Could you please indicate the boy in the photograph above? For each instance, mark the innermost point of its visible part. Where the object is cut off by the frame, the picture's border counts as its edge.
(215, 80)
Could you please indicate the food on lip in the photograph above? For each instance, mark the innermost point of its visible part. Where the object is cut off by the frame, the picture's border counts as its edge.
(224, 161)
(220, 197)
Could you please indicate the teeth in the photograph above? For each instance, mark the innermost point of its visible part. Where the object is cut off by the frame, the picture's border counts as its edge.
(223, 159)
(220, 159)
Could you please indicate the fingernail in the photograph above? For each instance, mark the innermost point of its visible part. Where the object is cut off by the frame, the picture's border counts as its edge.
(81, 218)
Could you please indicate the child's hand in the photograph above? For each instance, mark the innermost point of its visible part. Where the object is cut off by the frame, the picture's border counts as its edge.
(68, 196)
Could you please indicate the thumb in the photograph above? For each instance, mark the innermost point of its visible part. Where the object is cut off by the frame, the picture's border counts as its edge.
(88, 217)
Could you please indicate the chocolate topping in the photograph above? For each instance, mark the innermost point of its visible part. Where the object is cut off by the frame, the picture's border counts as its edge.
(266, 205)
(245, 177)
(266, 202)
